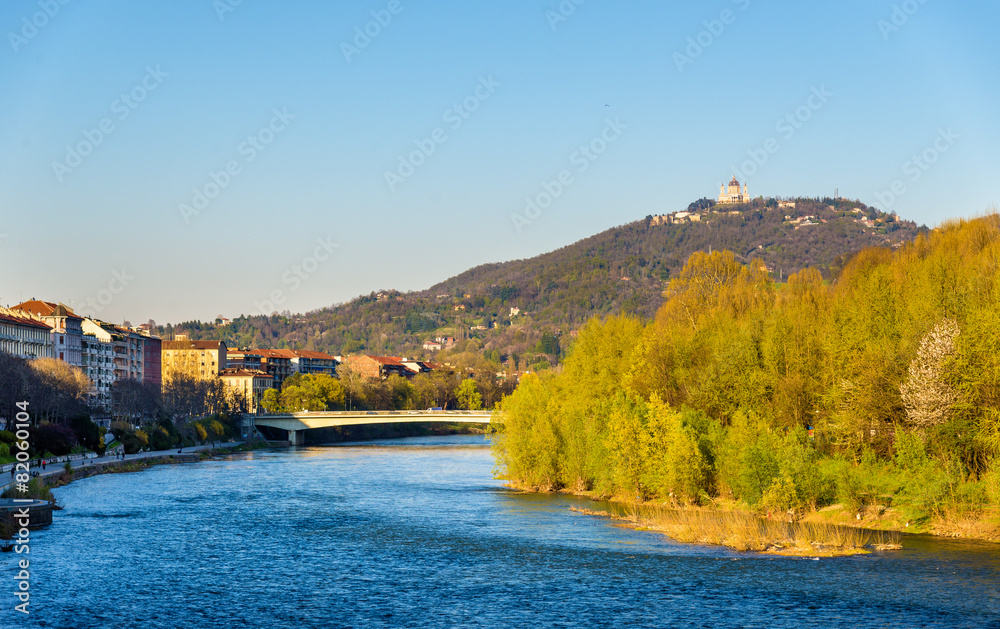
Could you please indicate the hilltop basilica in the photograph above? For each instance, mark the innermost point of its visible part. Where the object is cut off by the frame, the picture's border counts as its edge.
(734, 195)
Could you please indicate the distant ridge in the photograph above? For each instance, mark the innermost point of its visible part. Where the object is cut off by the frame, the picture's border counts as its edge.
(523, 309)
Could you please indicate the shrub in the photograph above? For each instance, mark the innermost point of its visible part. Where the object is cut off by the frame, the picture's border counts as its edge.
(88, 434)
(131, 442)
(910, 453)
(780, 497)
(54, 438)
(161, 439)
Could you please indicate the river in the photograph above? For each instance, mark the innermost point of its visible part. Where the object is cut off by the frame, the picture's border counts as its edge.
(416, 533)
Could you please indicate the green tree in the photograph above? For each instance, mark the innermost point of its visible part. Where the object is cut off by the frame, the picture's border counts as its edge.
(468, 395)
(271, 401)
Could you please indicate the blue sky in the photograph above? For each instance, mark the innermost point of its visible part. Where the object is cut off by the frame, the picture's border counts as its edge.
(309, 117)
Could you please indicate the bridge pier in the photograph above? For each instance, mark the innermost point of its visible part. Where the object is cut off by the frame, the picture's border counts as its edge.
(297, 437)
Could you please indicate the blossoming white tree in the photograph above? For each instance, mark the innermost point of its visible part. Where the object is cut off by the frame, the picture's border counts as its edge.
(926, 394)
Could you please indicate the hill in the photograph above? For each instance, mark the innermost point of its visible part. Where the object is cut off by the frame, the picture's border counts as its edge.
(519, 312)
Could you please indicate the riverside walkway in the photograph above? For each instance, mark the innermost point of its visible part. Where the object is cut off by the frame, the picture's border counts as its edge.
(54, 466)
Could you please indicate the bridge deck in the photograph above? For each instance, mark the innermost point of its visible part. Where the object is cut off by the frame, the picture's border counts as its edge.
(327, 419)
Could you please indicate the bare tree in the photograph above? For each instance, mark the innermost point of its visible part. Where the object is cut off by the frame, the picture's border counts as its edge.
(17, 384)
(61, 389)
(132, 400)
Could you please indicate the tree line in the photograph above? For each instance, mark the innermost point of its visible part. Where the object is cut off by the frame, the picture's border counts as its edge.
(352, 390)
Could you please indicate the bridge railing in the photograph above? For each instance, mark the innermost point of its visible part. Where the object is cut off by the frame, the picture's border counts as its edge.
(401, 413)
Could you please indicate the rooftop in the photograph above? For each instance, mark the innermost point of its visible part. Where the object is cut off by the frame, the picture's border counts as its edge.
(46, 309)
(193, 344)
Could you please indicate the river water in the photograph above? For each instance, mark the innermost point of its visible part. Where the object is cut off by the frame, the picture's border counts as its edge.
(416, 533)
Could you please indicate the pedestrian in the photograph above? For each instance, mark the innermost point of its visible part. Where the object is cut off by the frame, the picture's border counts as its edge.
(43, 464)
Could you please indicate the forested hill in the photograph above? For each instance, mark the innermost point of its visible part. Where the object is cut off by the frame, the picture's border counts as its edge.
(623, 269)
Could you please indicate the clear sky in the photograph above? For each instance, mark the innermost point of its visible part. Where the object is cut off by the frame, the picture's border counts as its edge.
(184, 159)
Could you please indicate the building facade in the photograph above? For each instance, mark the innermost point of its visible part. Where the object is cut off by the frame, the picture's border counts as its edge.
(203, 360)
(24, 336)
(126, 345)
(307, 361)
(97, 358)
(67, 329)
(243, 359)
(152, 358)
(248, 385)
(376, 367)
(277, 362)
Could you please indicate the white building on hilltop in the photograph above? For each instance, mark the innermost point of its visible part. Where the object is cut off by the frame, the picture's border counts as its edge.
(733, 195)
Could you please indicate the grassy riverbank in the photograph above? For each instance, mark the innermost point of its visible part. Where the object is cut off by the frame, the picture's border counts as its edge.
(745, 531)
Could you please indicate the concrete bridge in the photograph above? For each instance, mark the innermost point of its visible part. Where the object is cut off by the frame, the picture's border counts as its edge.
(296, 423)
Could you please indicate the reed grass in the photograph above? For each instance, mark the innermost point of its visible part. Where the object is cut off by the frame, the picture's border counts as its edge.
(748, 532)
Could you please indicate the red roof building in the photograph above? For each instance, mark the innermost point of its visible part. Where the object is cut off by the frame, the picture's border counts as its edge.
(24, 335)
(67, 328)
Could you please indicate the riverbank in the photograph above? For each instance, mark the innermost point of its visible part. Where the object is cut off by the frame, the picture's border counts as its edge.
(980, 524)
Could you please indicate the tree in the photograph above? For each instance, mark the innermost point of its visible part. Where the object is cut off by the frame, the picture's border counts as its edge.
(18, 381)
(63, 388)
(271, 401)
(926, 394)
(187, 396)
(88, 434)
(352, 381)
(330, 390)
(134, 400)
(468, 395)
